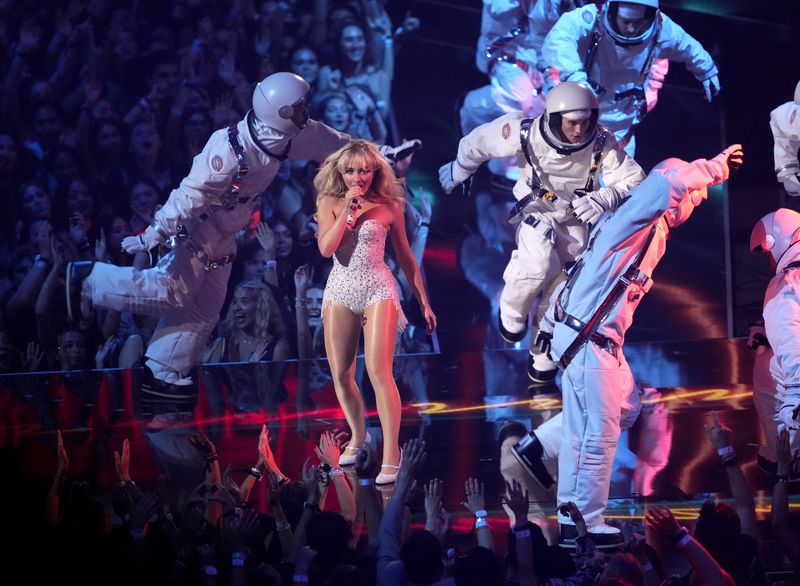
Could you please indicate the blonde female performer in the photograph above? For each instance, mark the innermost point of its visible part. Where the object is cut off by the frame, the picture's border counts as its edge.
(359, 202)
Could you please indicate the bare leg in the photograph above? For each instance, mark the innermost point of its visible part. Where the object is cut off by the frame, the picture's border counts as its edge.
(380, 330)
(342, 331)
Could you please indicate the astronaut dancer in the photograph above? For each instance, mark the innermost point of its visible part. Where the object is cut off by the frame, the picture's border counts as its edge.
(785, 124)
(509, 52)
(561, 155)
(591, 312)
(620, 52)
(200, 219)
(778, 235)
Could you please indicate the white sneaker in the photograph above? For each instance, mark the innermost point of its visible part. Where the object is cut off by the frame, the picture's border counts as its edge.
(603, 536)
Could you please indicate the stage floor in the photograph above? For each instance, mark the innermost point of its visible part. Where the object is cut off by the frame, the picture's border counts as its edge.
(456, 403)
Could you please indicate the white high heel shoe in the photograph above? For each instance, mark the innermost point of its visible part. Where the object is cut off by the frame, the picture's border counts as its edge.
(348, 459)
(387, 478)
(390, 478)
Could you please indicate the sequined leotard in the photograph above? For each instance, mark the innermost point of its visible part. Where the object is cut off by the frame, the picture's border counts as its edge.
(360, 277)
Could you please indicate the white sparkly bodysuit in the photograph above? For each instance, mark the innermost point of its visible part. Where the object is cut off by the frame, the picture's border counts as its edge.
(360, 277)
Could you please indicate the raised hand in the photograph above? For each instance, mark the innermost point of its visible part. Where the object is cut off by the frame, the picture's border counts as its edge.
(411, 463)
(366, 465)
(663, 522)
(63, 460)
(33, 357)
(266, 238)
(310, 482)
(100, 248)
(103, 352)
(719, 434)
(572, 511)
(122, 461)
(303, 277)
(518, 500)
(202, 444)
(328, 450)
(475, 500)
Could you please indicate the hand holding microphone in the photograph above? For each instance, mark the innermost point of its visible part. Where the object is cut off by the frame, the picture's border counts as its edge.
(353, 204)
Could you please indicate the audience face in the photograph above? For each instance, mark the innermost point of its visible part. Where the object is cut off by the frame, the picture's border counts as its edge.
(9, 154)
(36, 202)
(72, 348)
(64, 165)
(79, 199)
(126, 47)
(47, 126)
(314, 304)
(143, 197)
(336, 114)
(255, 266)
(243, 307)
(145, 141)
(120, 229)
(109, 140)
(197, 127)
(6, 352)
(104, 109)
(168, 77)
(283, 240)
(41, 91)
(304, 63)
(352, 44)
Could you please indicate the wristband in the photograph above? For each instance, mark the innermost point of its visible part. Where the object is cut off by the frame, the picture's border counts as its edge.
(281, 525)
(209, 457)
(683, 541)
(678, 537)
(782, 478)
(725, 451)
(136, 534)
(237, 558)
(424, 224)
(481, 522)
(271, 266)
(334, 472)
(731, 460)
(255, 473)
(311, 507)
(480, 514)
(366, 482)
(210, 570)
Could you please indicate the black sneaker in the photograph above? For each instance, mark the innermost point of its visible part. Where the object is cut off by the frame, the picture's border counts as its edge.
(528, 453)
(159, 399)
(543, 377)
(603, 536)
(510, 337)
(76, 273)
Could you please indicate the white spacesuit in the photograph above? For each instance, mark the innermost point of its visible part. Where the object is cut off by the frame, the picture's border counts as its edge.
(201, 218)
(785, 124)
(593, 310)
(778, 235)
(558, 195)
(614, 51)
(509, 51)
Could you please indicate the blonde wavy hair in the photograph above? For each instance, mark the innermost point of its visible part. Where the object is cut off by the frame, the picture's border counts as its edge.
(268, 321)
(330, 183)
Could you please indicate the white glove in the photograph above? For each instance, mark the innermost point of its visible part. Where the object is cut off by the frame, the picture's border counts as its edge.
(792, 185)
(588, 208)
(711, 87)
(785, 415)
(451, 175)
(142, 243)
